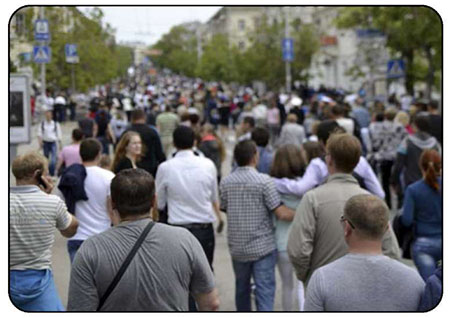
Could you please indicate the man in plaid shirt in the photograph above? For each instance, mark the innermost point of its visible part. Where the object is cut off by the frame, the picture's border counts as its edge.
(250, 198)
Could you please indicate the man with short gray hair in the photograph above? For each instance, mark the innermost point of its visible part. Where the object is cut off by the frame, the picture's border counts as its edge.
(364, 279)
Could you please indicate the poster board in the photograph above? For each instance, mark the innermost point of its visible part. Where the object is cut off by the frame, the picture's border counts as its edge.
(19, 109)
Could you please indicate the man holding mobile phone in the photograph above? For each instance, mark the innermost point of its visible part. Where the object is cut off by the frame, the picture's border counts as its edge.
(34, 213)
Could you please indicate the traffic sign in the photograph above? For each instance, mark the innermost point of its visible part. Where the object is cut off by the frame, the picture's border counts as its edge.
(71, 53)
(41, 54)
(396, 68)
(41, 30)
(287, 46)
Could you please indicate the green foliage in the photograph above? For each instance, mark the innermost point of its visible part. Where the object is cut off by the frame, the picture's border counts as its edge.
(412, 32)
(222, 61)
(100, 58)
(179, 51)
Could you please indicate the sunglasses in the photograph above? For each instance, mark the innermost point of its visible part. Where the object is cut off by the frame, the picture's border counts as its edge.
(343, 219)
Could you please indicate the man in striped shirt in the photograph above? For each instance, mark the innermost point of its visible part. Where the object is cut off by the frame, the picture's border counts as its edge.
(34, 213)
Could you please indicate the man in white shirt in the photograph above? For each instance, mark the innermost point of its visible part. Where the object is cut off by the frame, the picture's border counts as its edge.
(92, 214)
(187, 184)
(49, 138)
(59, 109)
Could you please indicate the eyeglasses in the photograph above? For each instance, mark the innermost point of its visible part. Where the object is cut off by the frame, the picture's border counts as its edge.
(343, 219)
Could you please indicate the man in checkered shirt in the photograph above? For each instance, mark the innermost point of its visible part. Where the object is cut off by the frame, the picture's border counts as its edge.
(250, 198)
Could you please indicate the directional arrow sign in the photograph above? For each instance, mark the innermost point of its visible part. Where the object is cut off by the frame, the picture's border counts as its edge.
(71, 53)
(41, 54)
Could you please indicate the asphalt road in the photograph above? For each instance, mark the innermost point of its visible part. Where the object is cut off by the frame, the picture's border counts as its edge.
(222, 260)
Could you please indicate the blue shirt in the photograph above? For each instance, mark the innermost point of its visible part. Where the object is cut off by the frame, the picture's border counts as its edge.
(362, 116)
(265, 160)
(423, 206)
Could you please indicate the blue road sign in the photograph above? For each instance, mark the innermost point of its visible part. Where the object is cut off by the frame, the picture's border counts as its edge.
(395, 68)
(71, 53)
(41, 54)
(41, 30)
(287, 46)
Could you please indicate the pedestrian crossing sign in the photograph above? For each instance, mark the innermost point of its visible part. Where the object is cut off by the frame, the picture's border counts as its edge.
(395, 68)
(41, 54)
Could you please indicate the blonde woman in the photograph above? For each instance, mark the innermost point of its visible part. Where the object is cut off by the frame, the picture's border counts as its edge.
(128, 152)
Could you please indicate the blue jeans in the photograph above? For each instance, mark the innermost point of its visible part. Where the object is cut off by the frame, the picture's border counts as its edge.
(263, 273)
(426, 252)
(50, 153)
(34, 290)
(72, 247)
(105, 144)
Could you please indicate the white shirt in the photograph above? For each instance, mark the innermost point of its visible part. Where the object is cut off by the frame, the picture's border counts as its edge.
(188, 185)
(60, 100)
(49, 102)
(48, 132)
(347, 124)
(92, 214)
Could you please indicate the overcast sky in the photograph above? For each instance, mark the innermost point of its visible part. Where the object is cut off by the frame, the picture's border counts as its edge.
(148, 24)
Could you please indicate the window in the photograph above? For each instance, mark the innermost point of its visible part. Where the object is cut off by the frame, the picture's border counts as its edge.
(241, 25)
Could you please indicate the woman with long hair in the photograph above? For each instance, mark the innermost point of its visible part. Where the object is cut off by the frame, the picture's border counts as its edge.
(128, 152)
(422, 209)
(289, 162)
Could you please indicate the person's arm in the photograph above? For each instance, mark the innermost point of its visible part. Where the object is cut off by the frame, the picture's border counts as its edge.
(301, 237)
(370, 179)
(315, 294)
(299, 187)
(83, 293)
(161, 187)
(111, 134)
(284, 213)
(71, 230)
(94, 129)
(39, 136)
(66, 223)
(208, 301)
(399, 164)
(160, 156)
(408, 208)
(60, 160)
(59, 135)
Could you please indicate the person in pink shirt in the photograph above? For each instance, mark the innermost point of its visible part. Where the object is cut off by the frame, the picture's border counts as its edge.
(71, 154)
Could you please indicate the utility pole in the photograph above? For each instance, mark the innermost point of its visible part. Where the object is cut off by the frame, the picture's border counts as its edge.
(288, 64)
(43, 84)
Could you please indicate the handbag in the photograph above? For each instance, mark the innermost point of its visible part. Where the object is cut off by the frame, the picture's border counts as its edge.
(125, 264)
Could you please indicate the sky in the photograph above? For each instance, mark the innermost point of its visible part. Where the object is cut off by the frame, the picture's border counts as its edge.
(148, 24)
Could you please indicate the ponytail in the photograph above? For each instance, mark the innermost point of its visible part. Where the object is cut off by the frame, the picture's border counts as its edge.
(430, 162)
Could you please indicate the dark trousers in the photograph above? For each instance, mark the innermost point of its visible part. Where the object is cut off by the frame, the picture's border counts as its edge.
(206, 238)
(385, 169)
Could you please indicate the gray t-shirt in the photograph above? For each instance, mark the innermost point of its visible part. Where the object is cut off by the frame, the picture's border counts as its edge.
(362, 282)
(169, 265)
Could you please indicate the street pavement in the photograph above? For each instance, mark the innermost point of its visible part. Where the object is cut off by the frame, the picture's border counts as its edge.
(222, 261)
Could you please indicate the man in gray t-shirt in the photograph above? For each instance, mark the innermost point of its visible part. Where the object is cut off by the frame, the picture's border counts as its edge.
(168, 266)
(364, 279)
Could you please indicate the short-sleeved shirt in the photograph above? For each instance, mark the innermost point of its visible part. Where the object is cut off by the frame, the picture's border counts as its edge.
(167, 122)
(168, 266)
(70, 154)
(249, 197)
(33, 216)
(364, 282)
(92, 214)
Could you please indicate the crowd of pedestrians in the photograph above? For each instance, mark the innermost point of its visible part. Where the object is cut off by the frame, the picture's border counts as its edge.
(314, 180)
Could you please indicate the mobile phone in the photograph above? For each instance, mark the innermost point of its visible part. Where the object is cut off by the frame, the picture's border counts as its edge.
(39, 179)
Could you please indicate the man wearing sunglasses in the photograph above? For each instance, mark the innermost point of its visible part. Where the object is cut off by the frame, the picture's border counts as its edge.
(364, 279)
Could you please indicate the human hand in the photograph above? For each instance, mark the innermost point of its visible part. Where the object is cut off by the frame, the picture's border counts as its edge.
(220, 226)
(47, 184)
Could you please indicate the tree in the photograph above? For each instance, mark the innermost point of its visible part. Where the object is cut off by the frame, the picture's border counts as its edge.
(415, 33)
(179, 51)
(101, 59)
